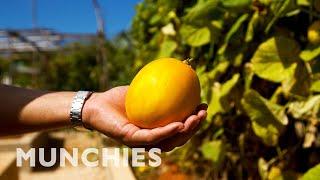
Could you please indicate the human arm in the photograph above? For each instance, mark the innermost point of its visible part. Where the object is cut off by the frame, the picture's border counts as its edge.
(25, 110)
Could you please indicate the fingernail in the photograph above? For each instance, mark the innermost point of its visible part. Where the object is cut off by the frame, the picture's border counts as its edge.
(203, 113)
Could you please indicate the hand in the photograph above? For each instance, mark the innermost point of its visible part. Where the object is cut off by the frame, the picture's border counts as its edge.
(105, 112)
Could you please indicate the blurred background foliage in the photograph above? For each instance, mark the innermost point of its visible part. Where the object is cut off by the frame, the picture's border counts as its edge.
(72, 67)
(78, 64)
(259, 67)
(258, 64)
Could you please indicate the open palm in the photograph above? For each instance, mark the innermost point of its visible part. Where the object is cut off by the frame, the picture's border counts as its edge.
(106, 113)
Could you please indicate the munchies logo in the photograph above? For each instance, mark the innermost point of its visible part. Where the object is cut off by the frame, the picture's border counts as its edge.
(138, 157)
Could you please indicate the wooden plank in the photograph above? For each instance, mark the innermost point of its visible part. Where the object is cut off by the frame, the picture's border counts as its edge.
(119, 172)
(8, 168)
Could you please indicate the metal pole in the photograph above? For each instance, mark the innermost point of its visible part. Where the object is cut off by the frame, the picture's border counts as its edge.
(35, 54)
(102, 57)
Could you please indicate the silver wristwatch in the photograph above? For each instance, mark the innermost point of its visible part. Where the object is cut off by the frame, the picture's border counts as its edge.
(77, 106)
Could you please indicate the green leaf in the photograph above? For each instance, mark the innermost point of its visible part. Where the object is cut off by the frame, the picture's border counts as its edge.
(208, 77)
(235, 27)
(217, 102)
(167, 5)
(315, 87)
(204, 81)
(251, 26)
(315, 66)
(202, 12)
(263, 168)
(293, 12)
(167, 48)
(310, 53)
(303, 2)
(156, 39)
(232, 31)
(305, 109)
(286, 175)
(268, 119)
(275, 173)
(195, 36)
(299, 84)
(248, 76)
(280, 8)
(214, 151)
(236, 3)
(215, 28)
(219, 69)
(276, 59)
(265, 2)
(313, 173)
(155, 19)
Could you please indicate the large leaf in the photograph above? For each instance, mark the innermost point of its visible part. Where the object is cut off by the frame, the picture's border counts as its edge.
(299, 84)
(268, 119)
(195, 36)
(305, 109)
(202, 12)
(167, 48)
(310, 53)
(214, 151)
(218, 103)
(207, 78)
(313, 173)
(276, 59)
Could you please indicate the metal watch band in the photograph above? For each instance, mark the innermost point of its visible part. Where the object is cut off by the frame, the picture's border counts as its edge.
(77, 106)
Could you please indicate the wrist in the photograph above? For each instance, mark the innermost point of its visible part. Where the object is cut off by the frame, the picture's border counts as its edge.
(88, 110)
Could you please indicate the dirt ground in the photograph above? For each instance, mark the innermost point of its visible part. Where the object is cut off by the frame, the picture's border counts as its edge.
(69, 172)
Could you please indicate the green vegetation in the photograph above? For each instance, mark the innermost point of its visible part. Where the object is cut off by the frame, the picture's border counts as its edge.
(259, 74)
(76, 67)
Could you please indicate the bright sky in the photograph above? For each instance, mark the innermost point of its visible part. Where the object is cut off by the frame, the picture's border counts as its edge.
(75, 16)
